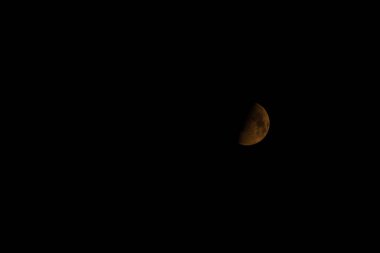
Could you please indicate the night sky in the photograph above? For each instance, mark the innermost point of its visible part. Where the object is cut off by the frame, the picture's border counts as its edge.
(188, 87)
(151, 115)
(133, 118)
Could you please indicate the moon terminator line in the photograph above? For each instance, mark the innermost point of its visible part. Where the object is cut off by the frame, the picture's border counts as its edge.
(256, 126)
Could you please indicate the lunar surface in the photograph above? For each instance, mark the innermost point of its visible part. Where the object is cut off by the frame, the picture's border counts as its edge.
(256, 126)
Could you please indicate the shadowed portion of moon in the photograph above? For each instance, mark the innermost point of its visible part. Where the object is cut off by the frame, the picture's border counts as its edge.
(256, 126)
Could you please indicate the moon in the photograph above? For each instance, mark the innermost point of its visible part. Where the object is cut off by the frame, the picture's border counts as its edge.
(256, 126)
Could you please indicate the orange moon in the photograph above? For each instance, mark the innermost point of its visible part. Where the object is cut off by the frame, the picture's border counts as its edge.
(256, 126)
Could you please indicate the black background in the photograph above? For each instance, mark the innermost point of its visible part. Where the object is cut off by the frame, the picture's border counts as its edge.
(161, 99)
(189, 97)
(142, 113)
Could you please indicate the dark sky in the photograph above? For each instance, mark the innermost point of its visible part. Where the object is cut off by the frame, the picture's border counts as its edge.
(142, 115)
(193, 88)
(161, 111)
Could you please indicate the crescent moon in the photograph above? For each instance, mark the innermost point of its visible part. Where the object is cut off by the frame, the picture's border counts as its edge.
(256, 126)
